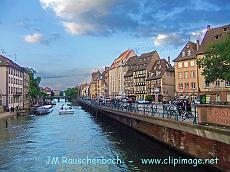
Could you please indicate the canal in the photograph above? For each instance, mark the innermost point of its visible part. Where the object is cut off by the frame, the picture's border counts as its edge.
(53, 142)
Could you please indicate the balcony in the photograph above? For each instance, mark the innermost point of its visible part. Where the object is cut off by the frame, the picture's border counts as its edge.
(17, 93)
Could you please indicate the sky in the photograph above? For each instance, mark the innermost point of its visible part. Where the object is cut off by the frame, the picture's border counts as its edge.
(66, 40)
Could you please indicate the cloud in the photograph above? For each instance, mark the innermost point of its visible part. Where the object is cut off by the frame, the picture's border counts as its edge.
(65, 79)
(34, 38)
(174, 39)
(78, 29)
(146, 18)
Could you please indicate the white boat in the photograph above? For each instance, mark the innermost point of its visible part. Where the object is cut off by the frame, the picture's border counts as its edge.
(44, 109)
(66, 110)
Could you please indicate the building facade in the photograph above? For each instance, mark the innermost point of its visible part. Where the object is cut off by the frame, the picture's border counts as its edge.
(26, 80)
(94, 84)
(161, 82)
(11, 85)
(103, 84)
(186, 69)
(116, 74)
(218, 91)
(141, 71)
(128, 77)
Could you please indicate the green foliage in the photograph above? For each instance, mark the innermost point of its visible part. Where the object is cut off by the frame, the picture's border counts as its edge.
(148, 98)
(216, 61)
(71, 93)
(34, 89)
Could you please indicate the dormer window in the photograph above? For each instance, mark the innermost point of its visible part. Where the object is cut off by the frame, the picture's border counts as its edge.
(187, 46)
(183, 54)
(189, 52)
(217, 36)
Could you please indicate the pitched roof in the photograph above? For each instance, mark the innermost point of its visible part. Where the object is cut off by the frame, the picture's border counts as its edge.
(160, 65)
(95, 76)
(123, 56)
(188, 52)
(145, 59)
(213, 35)
(4, 61)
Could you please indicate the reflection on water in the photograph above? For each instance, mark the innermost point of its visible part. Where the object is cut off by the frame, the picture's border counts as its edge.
(30, 140)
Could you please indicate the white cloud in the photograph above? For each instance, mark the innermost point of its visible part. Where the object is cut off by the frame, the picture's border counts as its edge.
(169, 39)
(78, 15)
(78, 29)
(34, 38)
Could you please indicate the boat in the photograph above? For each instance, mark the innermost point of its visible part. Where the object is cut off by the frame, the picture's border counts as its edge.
(42, 110)
(66, 110)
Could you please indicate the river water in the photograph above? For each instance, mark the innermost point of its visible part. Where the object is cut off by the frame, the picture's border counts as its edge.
(53, 142)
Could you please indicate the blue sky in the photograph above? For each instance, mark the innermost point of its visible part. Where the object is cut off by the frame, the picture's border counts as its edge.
(65, 40)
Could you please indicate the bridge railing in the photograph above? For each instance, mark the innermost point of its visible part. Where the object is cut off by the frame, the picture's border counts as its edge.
(160, 110)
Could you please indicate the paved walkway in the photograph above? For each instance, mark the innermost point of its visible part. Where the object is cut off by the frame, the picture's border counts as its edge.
(4, 115)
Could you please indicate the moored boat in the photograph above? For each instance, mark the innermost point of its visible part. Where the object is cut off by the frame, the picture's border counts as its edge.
(44, 110)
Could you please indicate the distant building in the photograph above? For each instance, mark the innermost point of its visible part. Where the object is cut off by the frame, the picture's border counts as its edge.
(186, 76)
(94, 84)
(116, 74)
(56, 92)
(26, 79)
(141, 71)
(103, 84)
(161, 81)
(48, 91)
(218, 91)
(84, 90)
(128, 77)
(14, 84)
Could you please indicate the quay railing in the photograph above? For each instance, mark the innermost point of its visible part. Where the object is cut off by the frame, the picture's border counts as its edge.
(160, 110)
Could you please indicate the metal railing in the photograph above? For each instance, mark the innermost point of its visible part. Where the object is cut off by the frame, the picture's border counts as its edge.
(159, 110)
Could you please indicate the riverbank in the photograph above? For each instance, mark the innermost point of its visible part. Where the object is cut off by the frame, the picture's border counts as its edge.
(5, 118)
(196, 140)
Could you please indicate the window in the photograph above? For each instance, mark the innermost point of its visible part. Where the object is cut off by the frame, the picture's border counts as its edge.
(186, 85)
(228, 97)
(185, 75)
(217, 36)
(218, 99)
(217, 83)
(192, 74)
(179, 75)
(180, 85)
(189, 52)
(208, 98)
(185, 64)
(192, 63)
(227, 83)
(193, 85)
(183, 54)
(180, 65)
(207, 84)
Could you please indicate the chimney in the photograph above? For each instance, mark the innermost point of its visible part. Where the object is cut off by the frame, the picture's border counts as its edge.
(168, 59)
(197, 44)
(208, 27)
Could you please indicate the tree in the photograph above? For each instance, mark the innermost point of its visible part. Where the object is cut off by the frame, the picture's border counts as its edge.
(216, 61)
(71, 93)
(34, 89)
